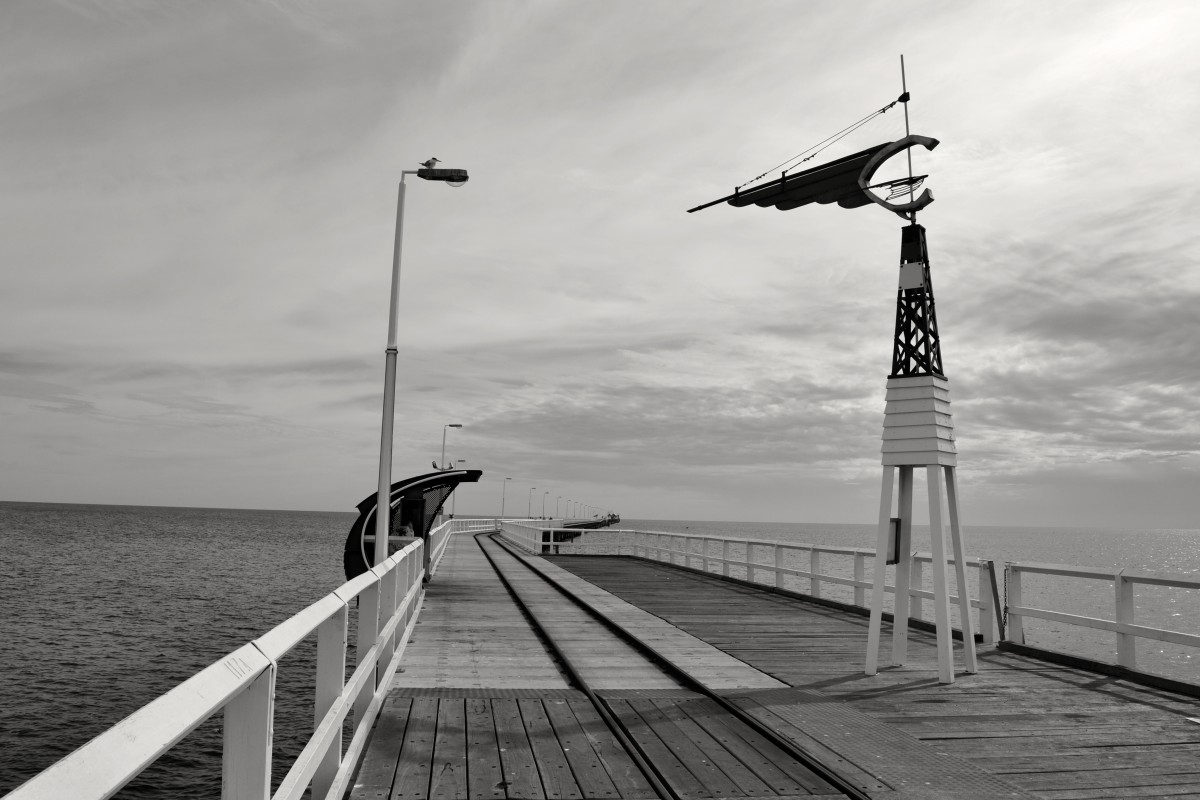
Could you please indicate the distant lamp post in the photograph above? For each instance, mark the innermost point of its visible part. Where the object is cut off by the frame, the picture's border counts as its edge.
(454, 496)
(544, 496)
(383, 516)
(442, 464)
(557, 503)
(503, 488)
(529, 505)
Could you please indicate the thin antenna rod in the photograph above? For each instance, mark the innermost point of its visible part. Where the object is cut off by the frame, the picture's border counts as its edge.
(904, 89)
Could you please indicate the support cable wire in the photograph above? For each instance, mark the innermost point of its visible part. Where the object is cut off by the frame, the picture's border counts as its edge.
(825, 143)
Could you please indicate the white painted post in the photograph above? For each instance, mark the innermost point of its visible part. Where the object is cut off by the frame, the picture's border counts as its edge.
(387, 607)
(1126, 642)
(987, 613)
(704, 550)
(779, 575)
(860, 575)
(725, 558)
(249, 717)
(901, 600)
(876, 623)
(749, 563)
(368, 631)
(814, 566)
(331, 679)
(960, 574)
(1014, 631)
(917, 581)
(941, 588)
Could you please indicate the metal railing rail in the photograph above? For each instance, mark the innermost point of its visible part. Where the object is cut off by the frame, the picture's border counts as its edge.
(242, 684)
(713, 554)
(1124, 582)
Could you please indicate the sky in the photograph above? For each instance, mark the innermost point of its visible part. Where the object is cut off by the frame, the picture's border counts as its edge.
(198, 206)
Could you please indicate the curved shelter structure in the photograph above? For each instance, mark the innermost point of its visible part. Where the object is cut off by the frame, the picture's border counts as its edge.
(415, 502)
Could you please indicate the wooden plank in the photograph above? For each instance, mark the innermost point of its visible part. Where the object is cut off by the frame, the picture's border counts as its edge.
(448, 772)
(685, 750)
(672, 771)
(624, 773)
(416, 755)
(378, 770)
(521, 778)
(485, 775)
(557, 780)
(784, 774)
(586, 766)
(718, 750)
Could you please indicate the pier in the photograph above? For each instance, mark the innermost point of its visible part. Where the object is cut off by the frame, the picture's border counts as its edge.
(483, 712)
(533, 662)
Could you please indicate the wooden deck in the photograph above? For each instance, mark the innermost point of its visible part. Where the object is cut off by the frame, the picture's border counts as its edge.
(485, 709)
(1053, 731)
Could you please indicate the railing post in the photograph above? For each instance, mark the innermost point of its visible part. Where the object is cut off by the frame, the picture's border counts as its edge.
(725, 545)
(1015, 632)
(331, 679)
(860, 575)
(916, 581)
(1126, 642)
(779, 575)
(368, 632)
(987, 613)
(704, 546)
(249, 717)
(749, 562)
(814, 566)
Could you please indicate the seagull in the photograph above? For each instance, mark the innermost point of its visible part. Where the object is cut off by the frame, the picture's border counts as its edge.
(430, 164)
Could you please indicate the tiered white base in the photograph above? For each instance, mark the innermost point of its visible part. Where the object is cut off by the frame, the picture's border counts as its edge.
(918, 432)
(917, 426)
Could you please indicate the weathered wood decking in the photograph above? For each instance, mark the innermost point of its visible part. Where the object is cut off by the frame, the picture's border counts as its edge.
(483, 710)
(1054, 731)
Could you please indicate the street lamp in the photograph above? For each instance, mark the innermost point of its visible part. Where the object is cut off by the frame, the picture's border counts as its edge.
(544, 495)
(442, 464)
(529, 505)
(503, 488)
(383, 516)
(556, 505)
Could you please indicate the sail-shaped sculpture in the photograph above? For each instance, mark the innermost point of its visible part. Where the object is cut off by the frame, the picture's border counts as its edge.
(917, 429)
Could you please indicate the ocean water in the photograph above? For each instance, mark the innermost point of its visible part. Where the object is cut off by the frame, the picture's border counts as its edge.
(107, 607)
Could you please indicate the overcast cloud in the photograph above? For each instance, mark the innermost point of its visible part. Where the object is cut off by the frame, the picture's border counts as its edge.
(198, 208)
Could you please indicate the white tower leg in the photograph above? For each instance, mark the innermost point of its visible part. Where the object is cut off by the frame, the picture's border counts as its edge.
(960, 573)
(941, 592)
(881, 543)
(900, 602)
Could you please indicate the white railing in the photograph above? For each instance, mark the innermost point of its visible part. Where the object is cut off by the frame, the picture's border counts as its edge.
(715, 554)
(243, 685)
(1123, 624)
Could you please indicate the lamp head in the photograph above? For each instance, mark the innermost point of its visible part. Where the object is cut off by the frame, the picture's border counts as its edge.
(454, 425)
(450, 177)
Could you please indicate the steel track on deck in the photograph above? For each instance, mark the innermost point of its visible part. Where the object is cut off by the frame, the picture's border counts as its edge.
(686, 682)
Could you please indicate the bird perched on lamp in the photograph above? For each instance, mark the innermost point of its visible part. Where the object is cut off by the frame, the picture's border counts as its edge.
(431, 163)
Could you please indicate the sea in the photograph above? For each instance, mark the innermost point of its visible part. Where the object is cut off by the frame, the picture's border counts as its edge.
(107, 607)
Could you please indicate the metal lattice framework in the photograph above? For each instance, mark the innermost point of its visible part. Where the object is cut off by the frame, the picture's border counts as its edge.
(917, 349)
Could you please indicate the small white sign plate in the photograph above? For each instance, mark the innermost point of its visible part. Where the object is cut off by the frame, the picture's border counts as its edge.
(912, 275)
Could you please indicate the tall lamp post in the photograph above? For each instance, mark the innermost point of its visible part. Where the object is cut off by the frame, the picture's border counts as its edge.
(383, 516)
(529, 505)
(442, 464)
(544, 496)
(557, 503)
(503, 488)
